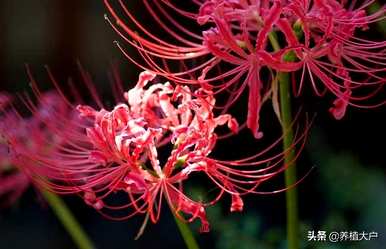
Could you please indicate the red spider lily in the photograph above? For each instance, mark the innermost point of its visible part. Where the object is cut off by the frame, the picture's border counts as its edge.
(332, 53)
(12, 183)
(21, 135)
(317, 38)
(121, 152)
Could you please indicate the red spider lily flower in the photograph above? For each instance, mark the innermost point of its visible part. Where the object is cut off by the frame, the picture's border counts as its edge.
(12, 183)
(235, 48)
(122, 152)
(20, 135)
(333, 54)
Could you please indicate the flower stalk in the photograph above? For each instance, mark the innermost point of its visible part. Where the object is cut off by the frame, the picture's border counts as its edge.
(290, 173)
(289, 157)
(186, 234)
(68, 221)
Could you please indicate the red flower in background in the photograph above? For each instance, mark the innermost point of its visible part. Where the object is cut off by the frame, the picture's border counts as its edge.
(35, 134)
(237, 48)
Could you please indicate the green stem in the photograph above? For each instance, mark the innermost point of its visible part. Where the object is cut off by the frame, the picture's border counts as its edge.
(289, 158)
(273, 40)
(68, 220)
(187, 234)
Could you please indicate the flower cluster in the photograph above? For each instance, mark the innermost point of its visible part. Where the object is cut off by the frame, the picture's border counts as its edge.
(246, 44)
(27, 135)
(101, 154)
(12, 184)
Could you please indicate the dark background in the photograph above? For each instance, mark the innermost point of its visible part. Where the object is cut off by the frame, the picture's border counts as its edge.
(345, 191)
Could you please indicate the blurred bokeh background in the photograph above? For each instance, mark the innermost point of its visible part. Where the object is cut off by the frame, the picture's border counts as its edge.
(346, 191)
